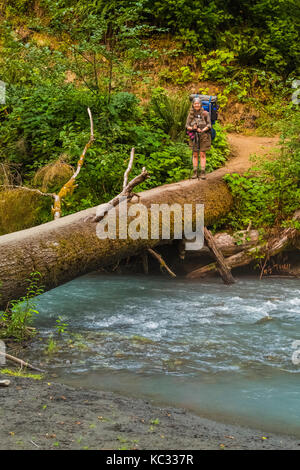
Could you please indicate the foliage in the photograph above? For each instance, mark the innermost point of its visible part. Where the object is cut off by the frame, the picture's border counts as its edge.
(270, 192)
(53, 176)
(16, 320)
(264, 32)
(52, 347)
(61, 326)
(219, 151)
(171, 112)
(218, 64)
(58, 58)
(20, 209)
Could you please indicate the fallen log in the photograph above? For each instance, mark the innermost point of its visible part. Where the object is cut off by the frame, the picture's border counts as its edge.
(68, 247)
(274, 246)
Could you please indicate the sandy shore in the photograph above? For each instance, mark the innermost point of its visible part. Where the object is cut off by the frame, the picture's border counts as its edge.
(46, 415)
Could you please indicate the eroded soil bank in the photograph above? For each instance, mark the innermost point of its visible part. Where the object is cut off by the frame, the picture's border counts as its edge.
(45, 415)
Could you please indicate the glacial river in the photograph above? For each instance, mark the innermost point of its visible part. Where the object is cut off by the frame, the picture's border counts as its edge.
(224, 352)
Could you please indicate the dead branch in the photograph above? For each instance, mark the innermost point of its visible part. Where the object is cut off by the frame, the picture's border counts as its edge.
(144, 257)
(69, 187)
(37, 191)
(220, 260)
(125, 183)
(161, 261)
(127, 192)
(20, 362)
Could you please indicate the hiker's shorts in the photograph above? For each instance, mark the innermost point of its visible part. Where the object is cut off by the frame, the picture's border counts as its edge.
(203, 143)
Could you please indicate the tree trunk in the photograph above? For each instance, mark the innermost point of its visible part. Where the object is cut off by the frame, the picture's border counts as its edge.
(64, 249)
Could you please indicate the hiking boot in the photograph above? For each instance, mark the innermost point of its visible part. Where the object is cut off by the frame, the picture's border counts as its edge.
(195, 173)
(203, 177)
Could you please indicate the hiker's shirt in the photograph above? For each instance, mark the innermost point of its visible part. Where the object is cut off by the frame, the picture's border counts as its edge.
(199, 140)
(201, 119)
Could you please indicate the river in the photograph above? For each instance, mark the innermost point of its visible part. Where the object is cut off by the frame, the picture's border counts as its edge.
(223, 352)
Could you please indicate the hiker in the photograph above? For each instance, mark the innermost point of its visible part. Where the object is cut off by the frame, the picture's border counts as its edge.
(198, 125)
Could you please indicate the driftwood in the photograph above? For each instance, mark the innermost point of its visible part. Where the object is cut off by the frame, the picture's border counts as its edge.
(20, 362)
(220, 261)
(274, 246)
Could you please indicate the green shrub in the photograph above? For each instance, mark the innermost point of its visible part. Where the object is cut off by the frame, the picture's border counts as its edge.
(17, 319)
(218, 65)
(171, 112)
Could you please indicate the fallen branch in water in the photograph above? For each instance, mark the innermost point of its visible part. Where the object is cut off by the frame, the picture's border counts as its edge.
(20, 362)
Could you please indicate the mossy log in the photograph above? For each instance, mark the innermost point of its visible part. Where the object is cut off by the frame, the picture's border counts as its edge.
(64, 249)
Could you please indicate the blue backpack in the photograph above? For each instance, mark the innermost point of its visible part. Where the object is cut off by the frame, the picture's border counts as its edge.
(210, 104)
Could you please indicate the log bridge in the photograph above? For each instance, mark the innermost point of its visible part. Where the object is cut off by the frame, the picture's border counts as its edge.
(66, 248)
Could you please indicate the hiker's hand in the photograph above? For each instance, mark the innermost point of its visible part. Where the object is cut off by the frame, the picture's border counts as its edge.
(189, 128)
(199, 130)
(195, 127)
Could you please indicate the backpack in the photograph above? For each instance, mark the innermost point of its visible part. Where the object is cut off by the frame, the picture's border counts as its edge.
(210, 104)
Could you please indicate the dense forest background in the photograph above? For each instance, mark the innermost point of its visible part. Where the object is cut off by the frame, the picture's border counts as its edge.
(134, 63)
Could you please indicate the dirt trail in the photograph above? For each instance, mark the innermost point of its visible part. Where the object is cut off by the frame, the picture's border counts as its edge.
(244, 146)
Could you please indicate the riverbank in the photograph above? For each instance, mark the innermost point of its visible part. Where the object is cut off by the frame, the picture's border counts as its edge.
(45, 415)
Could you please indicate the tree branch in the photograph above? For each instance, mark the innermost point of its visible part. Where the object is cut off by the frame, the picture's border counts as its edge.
(20, 362)
(69, 187)
(161, 261)
(127, 192)
(28, 189)
(128, 169)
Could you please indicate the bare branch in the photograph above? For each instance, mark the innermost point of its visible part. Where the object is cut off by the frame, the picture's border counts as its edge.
(19, 361)
(128, 169)
(127, 192)
(69, 187)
